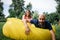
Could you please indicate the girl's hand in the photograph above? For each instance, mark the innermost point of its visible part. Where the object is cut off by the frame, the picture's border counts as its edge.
(28, 20)
(27, 31)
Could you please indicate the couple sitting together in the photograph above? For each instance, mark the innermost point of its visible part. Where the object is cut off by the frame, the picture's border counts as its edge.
(41, 22)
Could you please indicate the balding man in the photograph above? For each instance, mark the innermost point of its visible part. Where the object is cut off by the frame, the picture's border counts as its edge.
(41, 22)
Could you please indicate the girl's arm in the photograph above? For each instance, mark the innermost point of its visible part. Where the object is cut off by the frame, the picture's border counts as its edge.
(25, 22)
(26, 26)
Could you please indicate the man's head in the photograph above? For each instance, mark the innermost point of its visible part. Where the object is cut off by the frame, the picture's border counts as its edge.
(41, 18)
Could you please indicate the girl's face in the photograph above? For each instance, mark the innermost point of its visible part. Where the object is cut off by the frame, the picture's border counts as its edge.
(27, 13)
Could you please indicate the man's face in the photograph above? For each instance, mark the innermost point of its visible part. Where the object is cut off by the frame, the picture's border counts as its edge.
(41, 18)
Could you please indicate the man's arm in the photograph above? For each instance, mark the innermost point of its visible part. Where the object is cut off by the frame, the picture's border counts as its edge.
(51, 31)
(52, 34)
(33, 21)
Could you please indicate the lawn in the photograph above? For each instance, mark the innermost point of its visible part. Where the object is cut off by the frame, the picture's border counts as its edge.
(2, 37)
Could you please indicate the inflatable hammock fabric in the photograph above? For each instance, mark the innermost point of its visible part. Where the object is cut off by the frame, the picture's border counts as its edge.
(14, 28)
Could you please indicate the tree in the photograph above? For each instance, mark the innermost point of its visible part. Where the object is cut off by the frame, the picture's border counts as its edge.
(58, 7)
(29, 6)
(12, 13)
(52, 17)
(35, 15)
(2, 16)
(20, 16)
(16, 8)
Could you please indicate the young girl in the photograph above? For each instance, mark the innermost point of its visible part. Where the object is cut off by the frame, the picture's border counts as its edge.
(26, 18)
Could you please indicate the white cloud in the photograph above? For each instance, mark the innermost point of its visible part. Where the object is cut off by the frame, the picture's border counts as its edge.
(43, 5)
(6, 6)
(39, 5)
(8, 2)
(5, 11)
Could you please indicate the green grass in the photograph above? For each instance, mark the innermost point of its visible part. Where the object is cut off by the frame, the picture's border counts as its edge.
(2, 37)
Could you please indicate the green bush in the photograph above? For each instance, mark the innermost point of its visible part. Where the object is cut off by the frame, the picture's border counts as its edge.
(2, 20)
(57, 32)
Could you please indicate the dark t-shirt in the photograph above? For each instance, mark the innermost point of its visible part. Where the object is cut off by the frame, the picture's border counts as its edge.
(46, 24)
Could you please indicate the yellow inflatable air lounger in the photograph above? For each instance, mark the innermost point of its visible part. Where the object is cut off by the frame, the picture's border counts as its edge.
(14, 28)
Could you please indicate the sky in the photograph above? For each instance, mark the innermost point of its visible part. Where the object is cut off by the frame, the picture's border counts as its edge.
(39, 5)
